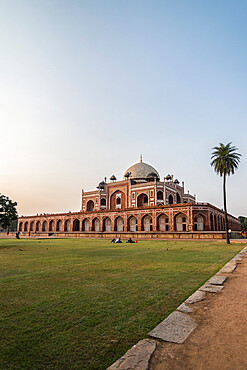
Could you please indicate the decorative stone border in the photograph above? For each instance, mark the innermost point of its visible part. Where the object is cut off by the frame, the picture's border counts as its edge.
(178, 325)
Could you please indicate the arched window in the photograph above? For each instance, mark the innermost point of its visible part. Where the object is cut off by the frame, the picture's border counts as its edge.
(170, 199)
(20, 226)
(76, 225)
(198, 223)
(59, 226)
(32, 226)
(96, 225)
(38, 226)
(90, 205)
(132, 224)
(85, 225)
(67, 225)
(119, 224)
(181, 222)
(163, 223)
(160, 195)
(103, 202)
(118, 200)
(45, 226)
(147, 223)
(142, 200)
(107, 224)
(52, 226)
(178, 198)
(26, 226)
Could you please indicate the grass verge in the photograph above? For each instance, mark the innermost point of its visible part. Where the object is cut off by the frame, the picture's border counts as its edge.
(81, 303)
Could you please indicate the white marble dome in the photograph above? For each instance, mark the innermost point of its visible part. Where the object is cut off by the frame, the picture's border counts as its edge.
(141, 170)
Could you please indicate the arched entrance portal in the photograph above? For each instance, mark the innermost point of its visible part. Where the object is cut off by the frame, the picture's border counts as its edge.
(90, 205)
(142, 200)
(163, 223)
(198, 223)
(59, 226)
(51, 225)
(96, 224)
(170, 199)
(181, 222)
(119, 224)
(76, 225)
(85, 225)
(67, 225)
(147, 223)
(132, 224)
(107, 224)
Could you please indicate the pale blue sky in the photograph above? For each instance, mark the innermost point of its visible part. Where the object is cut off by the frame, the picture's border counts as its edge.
(87, 86)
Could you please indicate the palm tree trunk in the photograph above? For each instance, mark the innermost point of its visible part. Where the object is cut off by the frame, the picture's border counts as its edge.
(226, 219)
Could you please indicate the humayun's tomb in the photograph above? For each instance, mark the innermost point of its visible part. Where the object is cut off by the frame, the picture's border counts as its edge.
(140, 205)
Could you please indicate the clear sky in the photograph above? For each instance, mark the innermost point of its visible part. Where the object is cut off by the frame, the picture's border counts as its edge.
(87, 86)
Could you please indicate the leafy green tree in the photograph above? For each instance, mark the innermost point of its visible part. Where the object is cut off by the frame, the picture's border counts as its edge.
(225, 161)
(8, 212)
(243, 221)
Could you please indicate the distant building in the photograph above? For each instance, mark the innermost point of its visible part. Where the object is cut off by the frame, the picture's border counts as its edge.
(140, 203)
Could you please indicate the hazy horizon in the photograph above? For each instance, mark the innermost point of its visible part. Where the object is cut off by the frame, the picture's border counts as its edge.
(88, 86)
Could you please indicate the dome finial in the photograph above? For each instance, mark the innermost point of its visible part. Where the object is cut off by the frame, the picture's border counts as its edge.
(141, 158)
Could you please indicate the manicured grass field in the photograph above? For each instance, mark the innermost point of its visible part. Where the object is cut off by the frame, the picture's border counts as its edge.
(77, 303)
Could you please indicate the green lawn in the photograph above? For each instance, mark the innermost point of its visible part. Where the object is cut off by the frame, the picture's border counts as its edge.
(77, 303)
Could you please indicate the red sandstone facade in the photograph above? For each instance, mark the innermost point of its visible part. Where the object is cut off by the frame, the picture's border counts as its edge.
(139, 204)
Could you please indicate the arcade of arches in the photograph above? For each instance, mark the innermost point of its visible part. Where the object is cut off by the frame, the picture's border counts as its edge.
(188, 219)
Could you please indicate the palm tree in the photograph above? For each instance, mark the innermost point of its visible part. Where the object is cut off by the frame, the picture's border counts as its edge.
(225, 161)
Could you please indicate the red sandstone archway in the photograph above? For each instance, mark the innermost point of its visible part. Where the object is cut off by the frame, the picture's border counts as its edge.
(170, 199)
(67, 226)
(181, 222)
(132, 224)
(59, 226)
(52, 225)
(26, 226)
(38, 226)
(178, 198)
(199, 222)
(20, 226)
(147, 223)
(103, 202)
(76, 225)
(119, 224)
(85, 225)
(31, 226)
(45, 226)
(90, 205)
(96, 225)
(142, 200)
(117, 200)
(107, 224)
(163, 222)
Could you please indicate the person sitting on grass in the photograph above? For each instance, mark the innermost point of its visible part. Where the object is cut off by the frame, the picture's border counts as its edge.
(113, 241)
(130, 241)
(118, 240)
